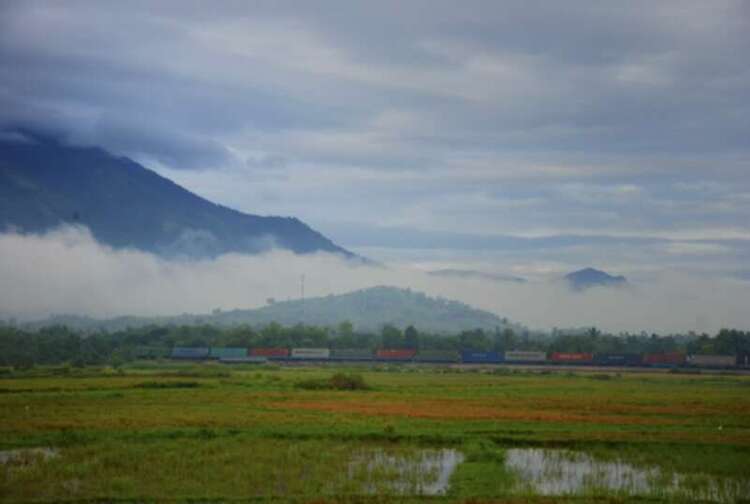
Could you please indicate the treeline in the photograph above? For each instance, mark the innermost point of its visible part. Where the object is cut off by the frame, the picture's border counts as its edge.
(56, 345)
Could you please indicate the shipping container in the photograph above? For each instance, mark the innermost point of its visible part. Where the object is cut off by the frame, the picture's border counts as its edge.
(574, 358)
(437, 356)
(523, 356)
(613, 359)
(395, 354)
(243, 360)
(476, 357)
(351, 354)
(149, 352)
(719, 361)
(311, 353)
(190, 353)
(670, 359)
(227, 352)
(271, 353)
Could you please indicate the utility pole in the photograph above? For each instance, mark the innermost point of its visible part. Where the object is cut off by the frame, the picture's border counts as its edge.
(302, 295)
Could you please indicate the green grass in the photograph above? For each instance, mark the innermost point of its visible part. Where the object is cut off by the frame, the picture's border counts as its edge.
(217, 432)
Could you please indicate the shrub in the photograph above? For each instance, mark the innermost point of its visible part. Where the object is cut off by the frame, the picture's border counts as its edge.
(343, 381)
(339, 381)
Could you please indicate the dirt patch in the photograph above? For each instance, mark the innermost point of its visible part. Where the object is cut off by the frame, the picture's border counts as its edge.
(439, 409)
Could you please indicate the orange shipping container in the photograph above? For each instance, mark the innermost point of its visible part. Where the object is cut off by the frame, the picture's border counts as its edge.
(396, 354)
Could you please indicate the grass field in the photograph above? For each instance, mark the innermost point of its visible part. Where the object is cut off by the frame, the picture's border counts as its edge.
(164, 432)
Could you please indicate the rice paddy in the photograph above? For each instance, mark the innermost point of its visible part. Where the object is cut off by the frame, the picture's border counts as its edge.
(166, 431)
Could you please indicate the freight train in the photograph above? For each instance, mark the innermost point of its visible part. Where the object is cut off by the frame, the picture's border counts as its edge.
(283, 354)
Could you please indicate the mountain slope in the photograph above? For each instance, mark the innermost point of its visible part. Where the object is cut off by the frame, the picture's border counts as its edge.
(44, 184)
(475, 275)
(590, 277)
(367, 309)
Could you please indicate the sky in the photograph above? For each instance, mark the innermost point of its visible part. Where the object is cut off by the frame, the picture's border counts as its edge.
(518, 137)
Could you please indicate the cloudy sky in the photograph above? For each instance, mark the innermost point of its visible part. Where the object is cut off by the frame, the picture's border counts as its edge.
(510, 136)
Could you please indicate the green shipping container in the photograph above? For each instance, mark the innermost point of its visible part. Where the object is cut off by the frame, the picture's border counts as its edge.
(351, 354)
(437, 356)
(227, 353)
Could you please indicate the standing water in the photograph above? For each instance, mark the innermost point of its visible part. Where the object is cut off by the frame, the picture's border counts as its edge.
(563, 472)
(406, 472)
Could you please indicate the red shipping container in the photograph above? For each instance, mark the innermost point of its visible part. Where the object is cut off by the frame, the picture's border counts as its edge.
(396, 354)
(269, 352)
(572, 357)
(669, 359)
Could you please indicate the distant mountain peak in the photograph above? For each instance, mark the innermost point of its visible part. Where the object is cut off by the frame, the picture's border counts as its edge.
(478, 275)
(45, 183)
(590, 277)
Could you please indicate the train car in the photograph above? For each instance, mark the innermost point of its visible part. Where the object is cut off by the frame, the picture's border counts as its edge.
(227, 353)
(437, 356)
(668, 359)
(271, 353)
(571, 358)
(617, 359)
(190, 353)
(522, 356)
(479, 357)
(395, 355)
(351, 354)
(243, 360)
(712, 361)
(310, 353)
(743, 360)
(150, 352)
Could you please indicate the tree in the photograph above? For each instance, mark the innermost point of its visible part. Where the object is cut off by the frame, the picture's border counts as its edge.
(345, 329)
(391, 337)
(411, 337)
(475, 339)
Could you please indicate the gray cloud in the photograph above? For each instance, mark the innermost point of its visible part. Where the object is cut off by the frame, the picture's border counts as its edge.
(510, 118)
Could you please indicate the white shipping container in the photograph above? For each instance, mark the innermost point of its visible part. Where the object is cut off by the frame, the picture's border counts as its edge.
(310, 353)
(713, 360)
(521, 356)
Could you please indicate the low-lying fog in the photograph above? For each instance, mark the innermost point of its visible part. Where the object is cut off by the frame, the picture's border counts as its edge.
(67, 272)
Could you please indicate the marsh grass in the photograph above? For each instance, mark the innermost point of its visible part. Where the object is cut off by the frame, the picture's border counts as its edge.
(234, 434)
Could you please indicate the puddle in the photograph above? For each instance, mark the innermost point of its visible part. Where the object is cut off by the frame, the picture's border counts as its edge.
(562, 472)
(413, 472)
(559, 472)
(26, 456)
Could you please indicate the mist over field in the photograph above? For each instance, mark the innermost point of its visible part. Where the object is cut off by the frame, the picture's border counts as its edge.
(66, 271)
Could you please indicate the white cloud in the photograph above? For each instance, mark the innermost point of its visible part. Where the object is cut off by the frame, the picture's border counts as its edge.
(66, 271)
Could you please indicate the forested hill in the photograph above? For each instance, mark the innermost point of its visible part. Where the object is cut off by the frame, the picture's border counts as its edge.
(367, 309)
(44, 183)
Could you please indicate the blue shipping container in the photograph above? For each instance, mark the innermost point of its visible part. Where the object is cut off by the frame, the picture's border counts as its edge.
(476, 357)
(611, 359)
(190, 353)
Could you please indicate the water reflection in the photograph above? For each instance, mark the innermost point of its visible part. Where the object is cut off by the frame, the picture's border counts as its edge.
(561, 472)
(410, 472)
(26, 456)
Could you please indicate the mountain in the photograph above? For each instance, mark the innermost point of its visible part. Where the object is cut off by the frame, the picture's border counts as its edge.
(590, 277)
(478, 275)
(44, 183)
(367, 309)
